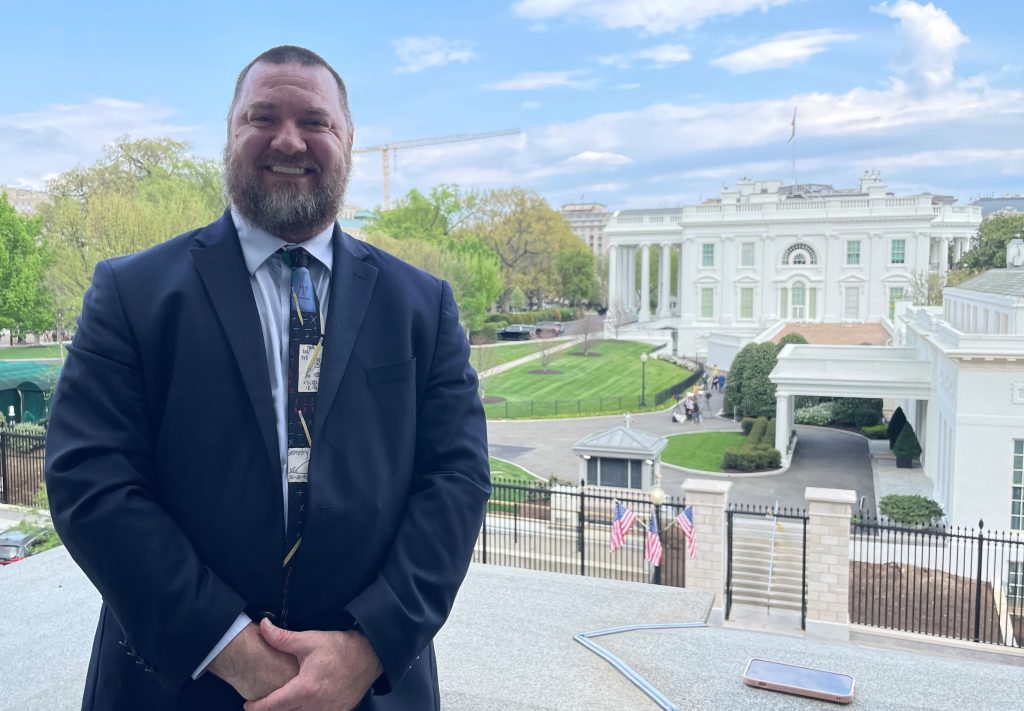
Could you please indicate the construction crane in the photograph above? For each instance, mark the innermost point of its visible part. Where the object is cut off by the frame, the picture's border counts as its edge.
(389, 149)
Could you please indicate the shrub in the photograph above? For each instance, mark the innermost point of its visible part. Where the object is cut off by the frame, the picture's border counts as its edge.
(758, 451)
(756, 432)
(24, 428)
(844, 409)
(912, 509)
(793, 337)
(866, 417)
(907, 446)
(746, 423)
(769, 434)
(895, 425)
(494, 318)
(487, 334)
(820, 414)
(874, 431)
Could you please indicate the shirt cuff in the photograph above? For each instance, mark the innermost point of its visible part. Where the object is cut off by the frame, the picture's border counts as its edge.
(236, 627)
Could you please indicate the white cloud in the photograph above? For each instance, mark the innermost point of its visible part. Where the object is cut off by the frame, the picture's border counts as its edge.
(932, 38)
(419, 53)
(38, 144)
(781, 51)
(599, 158)
(627, 87)
(661, 56)
(542, 80)
(652, 16)
(530, 105)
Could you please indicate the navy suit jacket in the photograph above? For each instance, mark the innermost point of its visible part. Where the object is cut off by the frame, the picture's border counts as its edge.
(164, 476)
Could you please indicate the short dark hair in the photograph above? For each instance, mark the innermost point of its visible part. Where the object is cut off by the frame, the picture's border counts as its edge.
(292, 54)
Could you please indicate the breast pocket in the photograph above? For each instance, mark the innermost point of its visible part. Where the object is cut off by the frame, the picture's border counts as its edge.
(396, 372)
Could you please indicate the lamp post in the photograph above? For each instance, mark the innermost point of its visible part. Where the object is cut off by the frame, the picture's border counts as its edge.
(657, 495)
(643, 380)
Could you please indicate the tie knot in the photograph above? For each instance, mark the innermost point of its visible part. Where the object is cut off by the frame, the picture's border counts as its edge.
(295, 258)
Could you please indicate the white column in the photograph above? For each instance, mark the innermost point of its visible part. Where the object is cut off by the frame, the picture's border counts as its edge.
(645, 283)
(630, 267)
(944, 255)
(783, 422)
(664, 282)
(614, 279)
(679, 286)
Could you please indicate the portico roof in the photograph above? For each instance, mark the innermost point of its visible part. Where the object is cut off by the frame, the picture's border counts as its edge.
(852, 371)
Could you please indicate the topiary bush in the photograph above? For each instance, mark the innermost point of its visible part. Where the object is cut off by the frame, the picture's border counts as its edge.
(793, 337)
(874, 432)
(746, 423)
(913, 509)
(758, 452)
(866, 417)
(756, 432)
(907, 448)
(895, 425)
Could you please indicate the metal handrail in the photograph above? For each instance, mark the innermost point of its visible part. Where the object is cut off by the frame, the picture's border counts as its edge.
(771, 553)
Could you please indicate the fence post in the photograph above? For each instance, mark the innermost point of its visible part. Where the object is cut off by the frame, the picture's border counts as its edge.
(828, 562)
(5, 489)
(485, 534)
(978, 583)
(581, 533)
(710, 500)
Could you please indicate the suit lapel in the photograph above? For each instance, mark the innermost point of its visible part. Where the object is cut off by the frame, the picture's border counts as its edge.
(218, 259)
(352, 282)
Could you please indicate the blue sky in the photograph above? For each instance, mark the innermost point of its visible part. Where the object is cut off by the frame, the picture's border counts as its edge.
(633, 103)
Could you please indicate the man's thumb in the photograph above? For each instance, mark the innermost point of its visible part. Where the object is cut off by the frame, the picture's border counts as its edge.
(281, 639)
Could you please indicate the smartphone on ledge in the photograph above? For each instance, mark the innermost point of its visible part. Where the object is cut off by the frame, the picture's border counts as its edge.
(804, 681)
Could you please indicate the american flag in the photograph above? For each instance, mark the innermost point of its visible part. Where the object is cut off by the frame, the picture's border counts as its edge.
(685, 521)
(652, 548)
(621, 525)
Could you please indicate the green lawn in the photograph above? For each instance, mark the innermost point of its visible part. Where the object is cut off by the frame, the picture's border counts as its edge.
(702, 450)
(487, 357)
(507, 471)
(30, 352)
(590, 385)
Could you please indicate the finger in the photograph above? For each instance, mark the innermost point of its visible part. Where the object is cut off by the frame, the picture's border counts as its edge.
(298, 644)
(287, 698)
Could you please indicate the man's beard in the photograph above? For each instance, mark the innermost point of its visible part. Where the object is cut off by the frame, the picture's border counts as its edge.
(284, 210)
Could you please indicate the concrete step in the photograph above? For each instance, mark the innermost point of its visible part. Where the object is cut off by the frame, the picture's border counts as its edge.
(782, 604)
(783, 566)
(788, 587)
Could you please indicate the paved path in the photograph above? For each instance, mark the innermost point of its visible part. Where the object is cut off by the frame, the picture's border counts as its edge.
(824, 458)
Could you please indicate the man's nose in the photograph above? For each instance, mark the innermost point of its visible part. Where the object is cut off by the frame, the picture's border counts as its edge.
(288, 139)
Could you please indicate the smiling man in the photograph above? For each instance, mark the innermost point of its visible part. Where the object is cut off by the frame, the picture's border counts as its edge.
(266, 448)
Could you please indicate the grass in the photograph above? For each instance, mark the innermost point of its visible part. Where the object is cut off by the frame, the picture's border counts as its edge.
(507, 471)
(586, 385)
(30, 352)
(485, 358)
(507, 499)
(702, 450)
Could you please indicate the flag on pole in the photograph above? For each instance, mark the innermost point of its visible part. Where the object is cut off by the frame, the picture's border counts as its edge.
(685, 521)
(621, 525)
(792, 124)
(652, 548)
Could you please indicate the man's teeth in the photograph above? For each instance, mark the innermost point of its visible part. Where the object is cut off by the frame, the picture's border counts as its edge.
(287, 169)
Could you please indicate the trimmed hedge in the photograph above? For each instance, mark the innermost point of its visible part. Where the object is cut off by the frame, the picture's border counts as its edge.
(912, 509)
(907, 446)
(866, 417)
(747, 423)
(820, 414)
(758, 451)
(874, 431)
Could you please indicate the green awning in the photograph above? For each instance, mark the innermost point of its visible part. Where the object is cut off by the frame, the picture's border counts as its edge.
(28, 375)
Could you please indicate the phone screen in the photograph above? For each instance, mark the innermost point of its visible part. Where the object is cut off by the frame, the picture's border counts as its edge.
(815, 679)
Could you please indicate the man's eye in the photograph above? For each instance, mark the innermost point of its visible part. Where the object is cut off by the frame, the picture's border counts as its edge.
(260, 119)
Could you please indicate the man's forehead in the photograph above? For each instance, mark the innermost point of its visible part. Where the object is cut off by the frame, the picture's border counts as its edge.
(312, 78)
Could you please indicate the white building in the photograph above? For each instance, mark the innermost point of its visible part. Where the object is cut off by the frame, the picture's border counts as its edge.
(765, 253)
(958, 373)
(587, 221)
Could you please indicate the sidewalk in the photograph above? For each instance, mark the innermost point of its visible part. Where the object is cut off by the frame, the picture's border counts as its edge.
(890, 480)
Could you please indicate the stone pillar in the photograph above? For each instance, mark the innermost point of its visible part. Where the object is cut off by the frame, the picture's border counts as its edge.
(664, 279)
(944, 256)
(828, 562)
(645, 284)
(630, 267)
(783, 422)
(706, 572)
(614, 278)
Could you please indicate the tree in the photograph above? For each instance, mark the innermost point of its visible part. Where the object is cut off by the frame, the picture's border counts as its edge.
(416, 216)
(758, 396)
(907, 447)
(527, 235)
(793, 337)
(989, 250)
(138, 194)
(575, 275)
(25, 304)
(926, 288)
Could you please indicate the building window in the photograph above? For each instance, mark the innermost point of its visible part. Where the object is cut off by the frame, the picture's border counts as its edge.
(1017, 491)
(898, 253)
(812, 304)
(784, 304)
(747, 302)
(798, 300)
(1015, 585)
(707, 256)
(853, 252)
(747, 254)
(707, 303)
(895, 294)
(800, 254)
(608, 471)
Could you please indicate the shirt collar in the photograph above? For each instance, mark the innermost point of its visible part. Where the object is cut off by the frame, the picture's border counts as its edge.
(258, 245)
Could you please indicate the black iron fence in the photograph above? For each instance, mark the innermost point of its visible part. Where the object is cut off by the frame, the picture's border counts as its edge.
(567, 529)
(766, 557)
(958, 583)
(679, 388)
(518, 409)
(21, 467)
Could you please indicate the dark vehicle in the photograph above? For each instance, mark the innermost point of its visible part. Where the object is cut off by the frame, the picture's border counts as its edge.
(550, 328)
(16, 544)
(517, 332)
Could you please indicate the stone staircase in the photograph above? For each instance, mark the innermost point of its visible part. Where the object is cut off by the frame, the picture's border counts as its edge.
(752, 556)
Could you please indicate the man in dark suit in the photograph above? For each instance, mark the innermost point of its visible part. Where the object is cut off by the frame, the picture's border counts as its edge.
(270, 461)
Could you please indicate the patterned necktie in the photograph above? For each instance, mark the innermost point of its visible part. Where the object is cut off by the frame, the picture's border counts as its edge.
(305, 346)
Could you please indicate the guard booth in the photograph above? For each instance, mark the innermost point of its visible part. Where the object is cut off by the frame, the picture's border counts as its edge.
(621, 457)
(27, 386)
